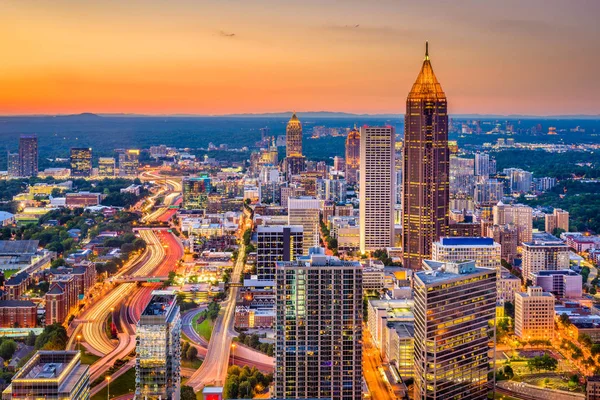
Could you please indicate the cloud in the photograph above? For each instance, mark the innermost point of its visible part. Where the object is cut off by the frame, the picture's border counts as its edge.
(226, 34)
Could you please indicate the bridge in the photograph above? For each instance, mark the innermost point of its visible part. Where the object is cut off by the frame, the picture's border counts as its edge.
(149, 279)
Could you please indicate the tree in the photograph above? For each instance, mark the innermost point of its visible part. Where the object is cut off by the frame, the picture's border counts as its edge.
(564, 319)
(187, 393)
(245, 390)
(508, 371)
(586, 340)
(30, 341)
(7, 349)
(509, 309)
(230, 391)
(191, 353)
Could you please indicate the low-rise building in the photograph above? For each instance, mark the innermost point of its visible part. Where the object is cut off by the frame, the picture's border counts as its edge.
(18, 314)
(534, 314)
(561, 283)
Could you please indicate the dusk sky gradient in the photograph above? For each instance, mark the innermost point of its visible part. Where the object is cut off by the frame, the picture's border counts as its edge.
(537, 57)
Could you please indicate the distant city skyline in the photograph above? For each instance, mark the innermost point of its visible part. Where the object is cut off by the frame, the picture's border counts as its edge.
(532, 58)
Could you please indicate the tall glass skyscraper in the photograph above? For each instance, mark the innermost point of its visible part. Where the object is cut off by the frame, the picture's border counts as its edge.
(81, 161)
(28, 156)
(319, 329)
(352, 155)
(455, 311)
(158, 348)
(295, 162)
(426, 169)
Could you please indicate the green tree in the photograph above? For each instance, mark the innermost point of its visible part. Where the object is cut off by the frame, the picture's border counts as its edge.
(245, 390)
(564, 319)
(508, 371)
(7, 349)
(187, 393)
(30, 341)
(191, 353)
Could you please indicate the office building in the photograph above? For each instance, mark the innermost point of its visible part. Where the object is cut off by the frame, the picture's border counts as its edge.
(13, 165)
(534, 314)
(559, 219)
(295, 162)
(51, 375)
(508, 285)
(484, 251)
(129, 161)
(158, 348)
(276, 243)
(455, 311)
(305, 212)
(462, 179)
(518, 214)
(377, 191)
(482, 164)
(319, 329)
(564, 283)
(352, 156)
(426, 167)
(508, 238)
(28, 156)
(106, 167)
(195, 192)
(81, 162)
(592, 389)
(488, 191)
(544, 254)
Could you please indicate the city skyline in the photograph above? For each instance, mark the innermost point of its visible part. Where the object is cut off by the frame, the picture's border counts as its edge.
(218, 58)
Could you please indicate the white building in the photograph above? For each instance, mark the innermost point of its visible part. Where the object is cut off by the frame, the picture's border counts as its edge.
(484, 251)
(534, 314)
(518, 214)
(542, 255)
(305, 212)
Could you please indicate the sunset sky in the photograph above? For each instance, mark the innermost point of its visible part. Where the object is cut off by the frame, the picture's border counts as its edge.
(233, 56)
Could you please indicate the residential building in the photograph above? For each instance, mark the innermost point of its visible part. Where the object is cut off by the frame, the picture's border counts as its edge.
(305, 211)
(541, 255)
(377, 191)
(593, 388)
(81, 162)
(507, 236)
(534, 314)
(106, 167)
(319, 329)
(455, 312)
(82, 199)
(276, 243)
(508, 285)
(129, 161)
(426, 167)
(28, 156)
(51, 375)
(482, 164)
(559, 219)
(13, 165)
(158, 348)
(18, 314)
(352, 156)
(484, 251)
(521, 216)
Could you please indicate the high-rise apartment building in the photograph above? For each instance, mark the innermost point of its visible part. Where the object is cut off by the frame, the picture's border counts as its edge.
(195, 192)
(559, 219)
(129, 161)
(508, 238)
(520, 181)
(319, 329)
(158, 348)
(488, 191)
(51, 375)
(276, 243)
(305, 212)
(462, 179)
(81, 161)
(106, 167)
(534, 314)
(484, 251)
(543, 255)
(518, 214)
(482, 164)
(13, 165)
(352, 156)
(455, 311)
(426, 167)
(28, 156)
(377, 190)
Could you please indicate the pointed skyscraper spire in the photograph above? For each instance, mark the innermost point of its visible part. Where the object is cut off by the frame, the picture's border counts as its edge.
(426, 50)
(426, 84)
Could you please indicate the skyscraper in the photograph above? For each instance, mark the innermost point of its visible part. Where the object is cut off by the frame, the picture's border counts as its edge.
(158, 348)
(305, 212)
(129, 162)
(13, 165)
(482, 164)
(377, 191)
(195, 192)
(352, 155)
(81, 161)
(426, 167)
(518, 214)
(295, 162)
(106, 166)
(454, 305)
(319, 329)
(276, 243)
(28, 156)
(559, 219)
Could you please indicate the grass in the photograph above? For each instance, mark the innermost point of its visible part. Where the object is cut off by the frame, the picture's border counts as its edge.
(9, 272)
(204, 328)
(195, 364)
(88, 358)
(122, 385)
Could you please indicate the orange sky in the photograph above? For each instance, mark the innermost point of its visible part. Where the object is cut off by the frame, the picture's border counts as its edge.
(232, 56)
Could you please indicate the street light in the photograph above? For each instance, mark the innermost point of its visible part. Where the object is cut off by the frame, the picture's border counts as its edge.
(108, 387)
(233, 353)
(79, 342)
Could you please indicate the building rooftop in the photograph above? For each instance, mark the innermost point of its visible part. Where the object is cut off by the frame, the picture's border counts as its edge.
(467, 241)
(160, 303)
(557, 272)
(437, 272)
(18, 247)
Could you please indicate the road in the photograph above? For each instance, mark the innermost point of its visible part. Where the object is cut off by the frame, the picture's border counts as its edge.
(378, 387)
(525, 391)
(214, 368)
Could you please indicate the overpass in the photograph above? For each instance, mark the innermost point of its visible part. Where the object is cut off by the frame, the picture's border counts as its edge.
(149, 279)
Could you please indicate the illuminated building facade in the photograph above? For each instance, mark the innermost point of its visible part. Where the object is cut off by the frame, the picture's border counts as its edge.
(129, 161)
(454, 305)
(352, 156)
(559, 219)
(28, 156)
(195, 192)
(426, 167)
(13, 165)
(305, 212)
(158, 348)
(534, 314)
(482, 250)
(106, 167)
(295, 162)
(81, 161)
(51, 375)
(377, 191)
(319, 311)
(276, 243)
